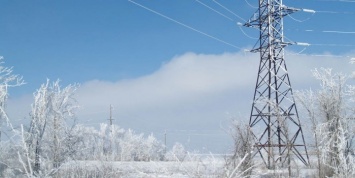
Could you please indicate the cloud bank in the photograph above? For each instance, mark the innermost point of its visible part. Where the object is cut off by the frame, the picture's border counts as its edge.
(191, 97)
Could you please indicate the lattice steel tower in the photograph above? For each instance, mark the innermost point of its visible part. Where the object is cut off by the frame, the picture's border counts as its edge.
(274, 119)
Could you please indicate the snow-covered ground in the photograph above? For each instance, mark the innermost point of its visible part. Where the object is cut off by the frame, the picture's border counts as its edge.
(202, 168)
(209, 167)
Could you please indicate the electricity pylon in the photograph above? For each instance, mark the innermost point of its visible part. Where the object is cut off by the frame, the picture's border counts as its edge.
(274, 119)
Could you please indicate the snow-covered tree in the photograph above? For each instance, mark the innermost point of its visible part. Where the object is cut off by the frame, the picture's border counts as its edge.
(49, 139)
(152, 149)
(130, 146)
(7, 149)
(7, 80)
(331, 112)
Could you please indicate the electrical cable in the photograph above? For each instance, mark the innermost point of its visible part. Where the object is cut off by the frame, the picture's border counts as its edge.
(302, 50)
(341, 45)
(297, 20)
(346, 1)
(227, 18)
(250, 4)
(184, 25)
(340, 32)
(331, 31)
(324, 44)
(222, 41)
(229, 10)
(241, 29)
(319, 55)
(221, 14)
(334, 12)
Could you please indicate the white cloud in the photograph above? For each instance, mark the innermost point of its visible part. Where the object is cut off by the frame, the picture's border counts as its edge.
(184, 78)
(190, 92)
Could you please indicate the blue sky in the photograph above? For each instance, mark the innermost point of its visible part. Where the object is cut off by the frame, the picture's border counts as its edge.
(116, 49)
(112, 40)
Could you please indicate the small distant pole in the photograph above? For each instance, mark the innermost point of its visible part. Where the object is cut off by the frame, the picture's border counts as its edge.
(110, 115)
(111, 131)
(165, 141)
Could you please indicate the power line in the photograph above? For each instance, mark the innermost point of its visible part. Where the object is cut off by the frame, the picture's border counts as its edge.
(229, 10)
(229, 44)
(241, 29)
(341, 45)
(328, 12)
(319, 44)
(308, 44)
(297, 20)
(250, 4)
(346, 1)
(300, 52)
(226, 16)
(332, 31)
(304, 10)
(340, 32)
(318, 55)
(334, 12)
(184, 25)
(221, 14)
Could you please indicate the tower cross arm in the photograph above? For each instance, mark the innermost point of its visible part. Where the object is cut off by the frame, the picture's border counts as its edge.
(288, 10)
(259, 17)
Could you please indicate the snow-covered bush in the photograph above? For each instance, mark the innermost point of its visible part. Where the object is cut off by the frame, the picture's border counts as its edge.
(240, 163)
(113, 143)
(9, 165)
(177, 153)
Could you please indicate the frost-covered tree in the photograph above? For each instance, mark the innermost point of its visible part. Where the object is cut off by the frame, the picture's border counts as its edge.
(152, 149)
(49, 139)
(331, 112)
(7, 80)
(7, 149)
(86, 147)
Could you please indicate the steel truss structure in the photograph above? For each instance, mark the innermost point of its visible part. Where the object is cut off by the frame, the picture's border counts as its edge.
(274, 119)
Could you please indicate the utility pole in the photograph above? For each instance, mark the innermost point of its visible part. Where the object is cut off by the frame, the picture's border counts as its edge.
(274, 118)
(165, 142)
(111, 132)
(110, 115)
